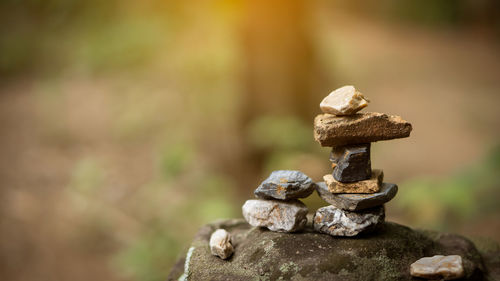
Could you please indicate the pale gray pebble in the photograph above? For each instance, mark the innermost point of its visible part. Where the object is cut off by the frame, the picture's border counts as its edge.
(438, 267)
(280, 216)
(220, 244)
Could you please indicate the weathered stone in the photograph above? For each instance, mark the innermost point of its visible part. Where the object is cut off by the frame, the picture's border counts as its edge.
(335, 155)
(220, 244)
(352, 162)
(337, 222)
(285, 185)
(438, 267)
(281, 216)
(371, 185)
(343, 101)
(331, 130)
(355, 202)
(383, 255)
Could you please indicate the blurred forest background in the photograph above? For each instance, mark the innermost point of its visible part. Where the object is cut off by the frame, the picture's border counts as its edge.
(126, 125)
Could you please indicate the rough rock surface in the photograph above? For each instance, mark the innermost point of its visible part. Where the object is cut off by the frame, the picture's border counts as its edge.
(220, 244)
(382, 255)
(332, 131)
(281, 216)
(371, 185)
(285, 185)
(338, 222)
(353, 162)
(355, 202)
(343, 101)
(438, 267)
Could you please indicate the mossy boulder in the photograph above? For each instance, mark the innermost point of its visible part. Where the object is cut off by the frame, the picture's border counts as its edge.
(261, 254)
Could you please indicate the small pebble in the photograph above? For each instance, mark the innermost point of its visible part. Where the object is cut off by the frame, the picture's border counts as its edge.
(438, 267)
(343, 101)
(220, 244)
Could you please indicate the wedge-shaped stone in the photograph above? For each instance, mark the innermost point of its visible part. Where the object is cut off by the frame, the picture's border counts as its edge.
(371, 185)
(280, 216)
(356, 202)
(285, 185)
(343, 101)
(438, 267)
(338, 222)
(352, 162)
(331, 130)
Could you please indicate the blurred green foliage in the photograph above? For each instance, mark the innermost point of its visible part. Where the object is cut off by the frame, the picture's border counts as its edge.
(176, 158)
(447, 203)
(52, 35)
(174, 206)
(122, 44)
(280, 133)
(429, 12)
(184, 56)
(87, 176)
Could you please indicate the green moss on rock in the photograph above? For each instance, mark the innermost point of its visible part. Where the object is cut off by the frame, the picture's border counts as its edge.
(265, 255)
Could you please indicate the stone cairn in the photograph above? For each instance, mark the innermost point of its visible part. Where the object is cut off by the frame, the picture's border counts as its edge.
(355, 191)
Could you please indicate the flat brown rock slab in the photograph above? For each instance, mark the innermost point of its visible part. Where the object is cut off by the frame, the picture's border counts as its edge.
(356, 202)
(260, 254)
(371, 185)
(438, 267)
(331, 130)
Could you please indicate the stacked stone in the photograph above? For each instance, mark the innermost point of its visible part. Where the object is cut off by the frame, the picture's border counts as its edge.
(277, 206)
(355, 191)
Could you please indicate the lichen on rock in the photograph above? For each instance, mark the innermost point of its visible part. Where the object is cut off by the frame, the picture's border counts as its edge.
(385, 254)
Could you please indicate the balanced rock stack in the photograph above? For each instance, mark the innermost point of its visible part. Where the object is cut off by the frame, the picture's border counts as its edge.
(357, 195)
(277, 206)
(355, 191)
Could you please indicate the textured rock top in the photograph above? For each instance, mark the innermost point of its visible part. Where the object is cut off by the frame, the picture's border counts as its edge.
(331, 130)
(343, 101)
(266, 255)
(285, 185)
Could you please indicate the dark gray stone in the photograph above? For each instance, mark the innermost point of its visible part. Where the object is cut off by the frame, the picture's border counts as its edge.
(385, 254)
(285, 185)
(355, 202)
(352, 163)
(337, 222)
